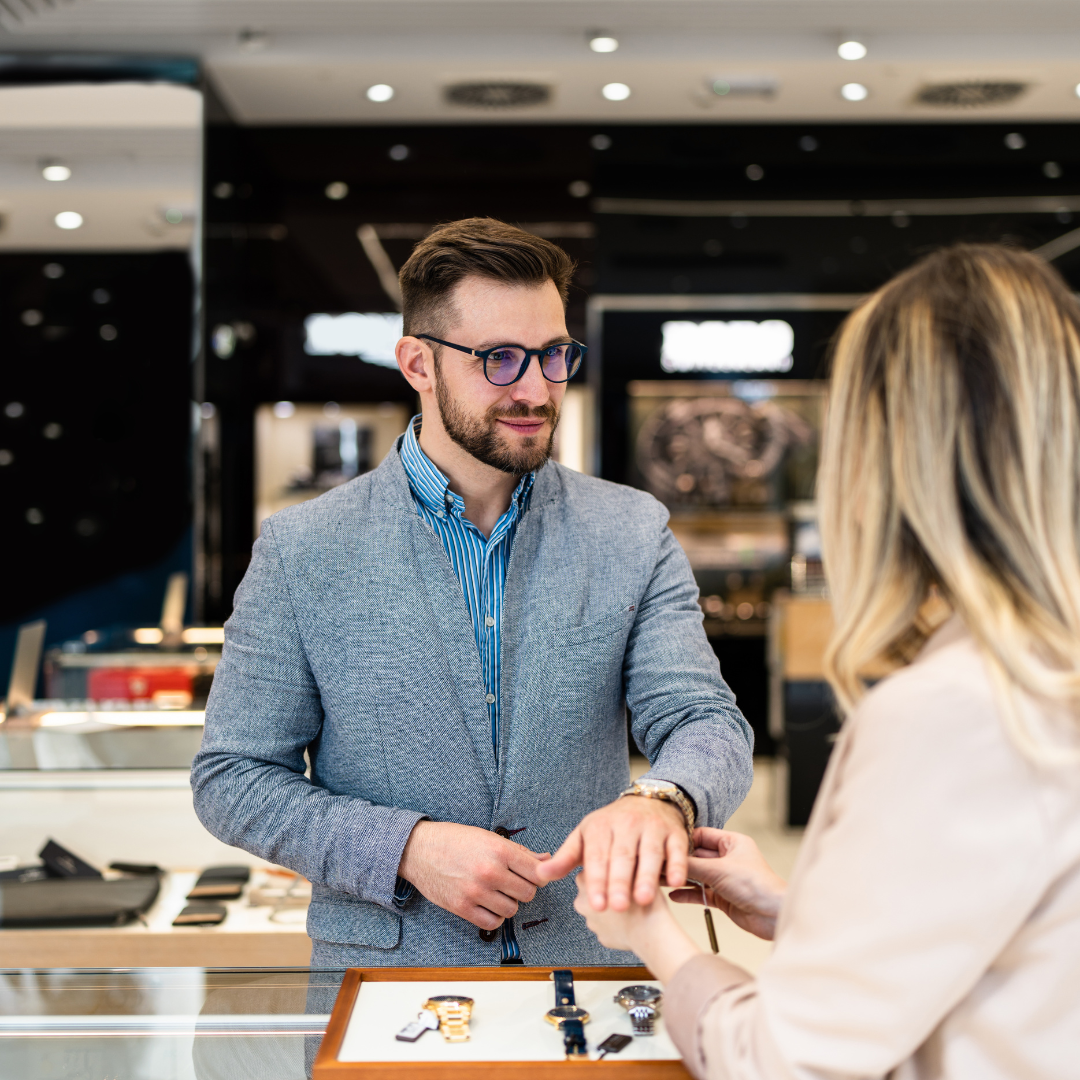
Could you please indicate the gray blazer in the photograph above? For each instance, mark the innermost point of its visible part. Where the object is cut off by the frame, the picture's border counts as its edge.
(351, 643)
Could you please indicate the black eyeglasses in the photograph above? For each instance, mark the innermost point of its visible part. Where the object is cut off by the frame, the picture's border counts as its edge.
(505, 364)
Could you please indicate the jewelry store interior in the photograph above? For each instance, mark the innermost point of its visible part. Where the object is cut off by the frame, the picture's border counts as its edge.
(203, 212)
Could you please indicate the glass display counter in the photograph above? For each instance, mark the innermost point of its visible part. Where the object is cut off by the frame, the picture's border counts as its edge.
(163, 1023)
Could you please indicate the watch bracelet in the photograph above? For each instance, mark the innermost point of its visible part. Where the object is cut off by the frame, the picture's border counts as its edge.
(453, 1021)
(643, 1020)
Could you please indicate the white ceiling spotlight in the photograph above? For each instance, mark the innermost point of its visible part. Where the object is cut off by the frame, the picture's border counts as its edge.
(602, 43)
(56, 172)
(380, 92)
(851, 50)
(854, 91)
(68, 219)
(616, 91)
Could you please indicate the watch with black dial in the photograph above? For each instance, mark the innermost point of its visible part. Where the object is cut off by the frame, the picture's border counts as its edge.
(563, 1014)
(643, 1005)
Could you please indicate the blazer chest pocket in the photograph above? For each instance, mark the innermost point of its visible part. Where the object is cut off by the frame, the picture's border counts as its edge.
(606, 626)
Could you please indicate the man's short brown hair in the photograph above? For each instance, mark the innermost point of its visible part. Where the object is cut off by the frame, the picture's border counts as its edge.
(474, 247)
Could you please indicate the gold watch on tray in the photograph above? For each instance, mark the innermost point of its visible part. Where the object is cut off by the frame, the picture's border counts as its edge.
(666, 791)
(453, 1012)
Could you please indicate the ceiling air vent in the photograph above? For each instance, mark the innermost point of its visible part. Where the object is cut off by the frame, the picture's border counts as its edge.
(498, 95)
(969, 95)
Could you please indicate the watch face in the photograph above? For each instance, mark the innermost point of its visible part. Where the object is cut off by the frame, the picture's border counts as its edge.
(656, 785)
(453, 999)
(638, 995)
(561, 1013)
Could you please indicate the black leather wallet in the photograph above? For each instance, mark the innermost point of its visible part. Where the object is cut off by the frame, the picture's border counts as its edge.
(220, 883)
(201, 914)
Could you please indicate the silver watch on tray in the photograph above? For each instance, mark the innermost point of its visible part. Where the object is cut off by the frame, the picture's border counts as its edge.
(666, 791)
(643, 1005)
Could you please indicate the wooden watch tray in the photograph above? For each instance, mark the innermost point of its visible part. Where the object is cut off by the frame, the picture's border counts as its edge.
(328, 1067)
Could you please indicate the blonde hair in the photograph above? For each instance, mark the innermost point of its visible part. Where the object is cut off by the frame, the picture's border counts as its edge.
(951, 467)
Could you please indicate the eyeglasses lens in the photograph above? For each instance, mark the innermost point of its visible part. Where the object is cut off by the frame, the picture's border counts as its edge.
(558, 363)
(503, 365)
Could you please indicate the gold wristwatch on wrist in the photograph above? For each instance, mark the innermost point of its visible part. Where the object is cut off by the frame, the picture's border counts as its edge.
(666, 791)
(453, 1012)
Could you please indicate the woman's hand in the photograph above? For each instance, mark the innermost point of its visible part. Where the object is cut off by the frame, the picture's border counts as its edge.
(738, 880)
(650, 931)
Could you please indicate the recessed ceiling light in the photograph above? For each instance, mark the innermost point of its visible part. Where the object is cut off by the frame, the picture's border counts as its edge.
(1015, 141)
(854, 91)
(616, 91)
(56, 172)
(68, 219)
(380, 92)
(851, 50)
(337, 190)
(603, 43)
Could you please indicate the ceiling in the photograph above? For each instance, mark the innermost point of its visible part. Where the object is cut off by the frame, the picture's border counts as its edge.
(311, 61)
(134, 153)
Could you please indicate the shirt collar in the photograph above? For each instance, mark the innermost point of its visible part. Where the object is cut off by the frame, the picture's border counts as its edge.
(433, 489)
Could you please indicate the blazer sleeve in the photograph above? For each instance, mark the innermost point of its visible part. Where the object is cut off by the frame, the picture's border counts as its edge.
(248, 777)
(684, 716)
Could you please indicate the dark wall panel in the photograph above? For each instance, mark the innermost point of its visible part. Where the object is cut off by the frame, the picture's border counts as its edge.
(95, 420)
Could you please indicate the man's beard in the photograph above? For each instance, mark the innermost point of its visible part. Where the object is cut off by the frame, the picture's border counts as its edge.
(481, 437)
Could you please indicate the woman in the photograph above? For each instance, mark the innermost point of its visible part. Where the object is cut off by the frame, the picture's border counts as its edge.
(932, 925)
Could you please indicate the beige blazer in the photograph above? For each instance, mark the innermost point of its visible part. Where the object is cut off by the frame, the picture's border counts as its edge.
(932, 925)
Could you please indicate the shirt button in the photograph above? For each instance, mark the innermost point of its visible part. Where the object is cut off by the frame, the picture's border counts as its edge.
(489, 621)
(490, 699)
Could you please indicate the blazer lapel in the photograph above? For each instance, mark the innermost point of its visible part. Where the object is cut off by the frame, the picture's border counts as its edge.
(447, 625)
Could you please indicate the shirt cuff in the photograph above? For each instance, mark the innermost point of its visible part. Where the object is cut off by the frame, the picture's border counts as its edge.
(687, 997)
(403, 892)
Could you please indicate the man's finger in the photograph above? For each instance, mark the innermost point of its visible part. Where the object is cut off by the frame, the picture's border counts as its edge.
(484, 919)
(525, 864)
(521, 889)
(678, 859)
(650, 861)
(597, 856)
(498, 903)
(620, 869)
(563, 861)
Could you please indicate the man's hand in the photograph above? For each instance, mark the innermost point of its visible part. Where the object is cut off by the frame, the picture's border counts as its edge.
(624, 845)
(470, 872)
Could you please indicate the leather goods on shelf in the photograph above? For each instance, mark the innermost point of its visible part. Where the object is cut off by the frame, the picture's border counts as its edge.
(220, 883)
(201, 913)
(62, 863)
(76, 901)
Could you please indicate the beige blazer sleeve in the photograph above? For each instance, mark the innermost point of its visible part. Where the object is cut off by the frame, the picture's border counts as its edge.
(930, 847)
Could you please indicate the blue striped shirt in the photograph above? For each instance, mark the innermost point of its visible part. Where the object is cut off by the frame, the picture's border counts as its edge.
(479, 564)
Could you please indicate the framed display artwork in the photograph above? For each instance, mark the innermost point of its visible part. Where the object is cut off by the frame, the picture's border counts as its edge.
(507, 1032)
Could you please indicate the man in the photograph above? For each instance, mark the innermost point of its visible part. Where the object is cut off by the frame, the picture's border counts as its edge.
(452, 640)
